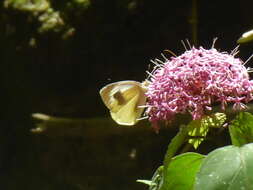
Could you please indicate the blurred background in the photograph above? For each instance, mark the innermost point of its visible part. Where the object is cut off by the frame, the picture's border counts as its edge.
(56, 55)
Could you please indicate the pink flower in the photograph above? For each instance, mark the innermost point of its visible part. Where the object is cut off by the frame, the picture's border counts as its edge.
(193, 81)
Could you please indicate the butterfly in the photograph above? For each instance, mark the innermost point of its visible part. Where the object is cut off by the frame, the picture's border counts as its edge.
(125, 99)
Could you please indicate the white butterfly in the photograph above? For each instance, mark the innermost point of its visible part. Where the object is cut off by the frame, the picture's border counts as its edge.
(123, 99)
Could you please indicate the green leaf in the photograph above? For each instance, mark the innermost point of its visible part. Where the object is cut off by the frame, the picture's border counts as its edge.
(200, 128)
(227, 168)
(182, 171)
(241, 129)
(189, 163)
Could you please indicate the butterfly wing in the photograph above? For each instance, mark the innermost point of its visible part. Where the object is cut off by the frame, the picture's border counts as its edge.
(122, 99)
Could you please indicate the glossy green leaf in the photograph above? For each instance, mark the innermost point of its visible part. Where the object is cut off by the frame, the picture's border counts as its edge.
(241, 129)
(227, 168)
(182, 171)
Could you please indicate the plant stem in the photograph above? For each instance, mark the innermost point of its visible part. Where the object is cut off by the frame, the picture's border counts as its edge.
(173, 147)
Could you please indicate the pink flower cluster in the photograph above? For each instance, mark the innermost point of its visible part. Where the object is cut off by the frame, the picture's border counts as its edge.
(193, 81)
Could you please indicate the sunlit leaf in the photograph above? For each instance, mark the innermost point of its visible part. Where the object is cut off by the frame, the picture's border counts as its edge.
(241, 129)
(197, 132)
(198, 129)
(227, 168)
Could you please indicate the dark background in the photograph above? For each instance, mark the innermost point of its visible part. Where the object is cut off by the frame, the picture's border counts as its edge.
(62, 77)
